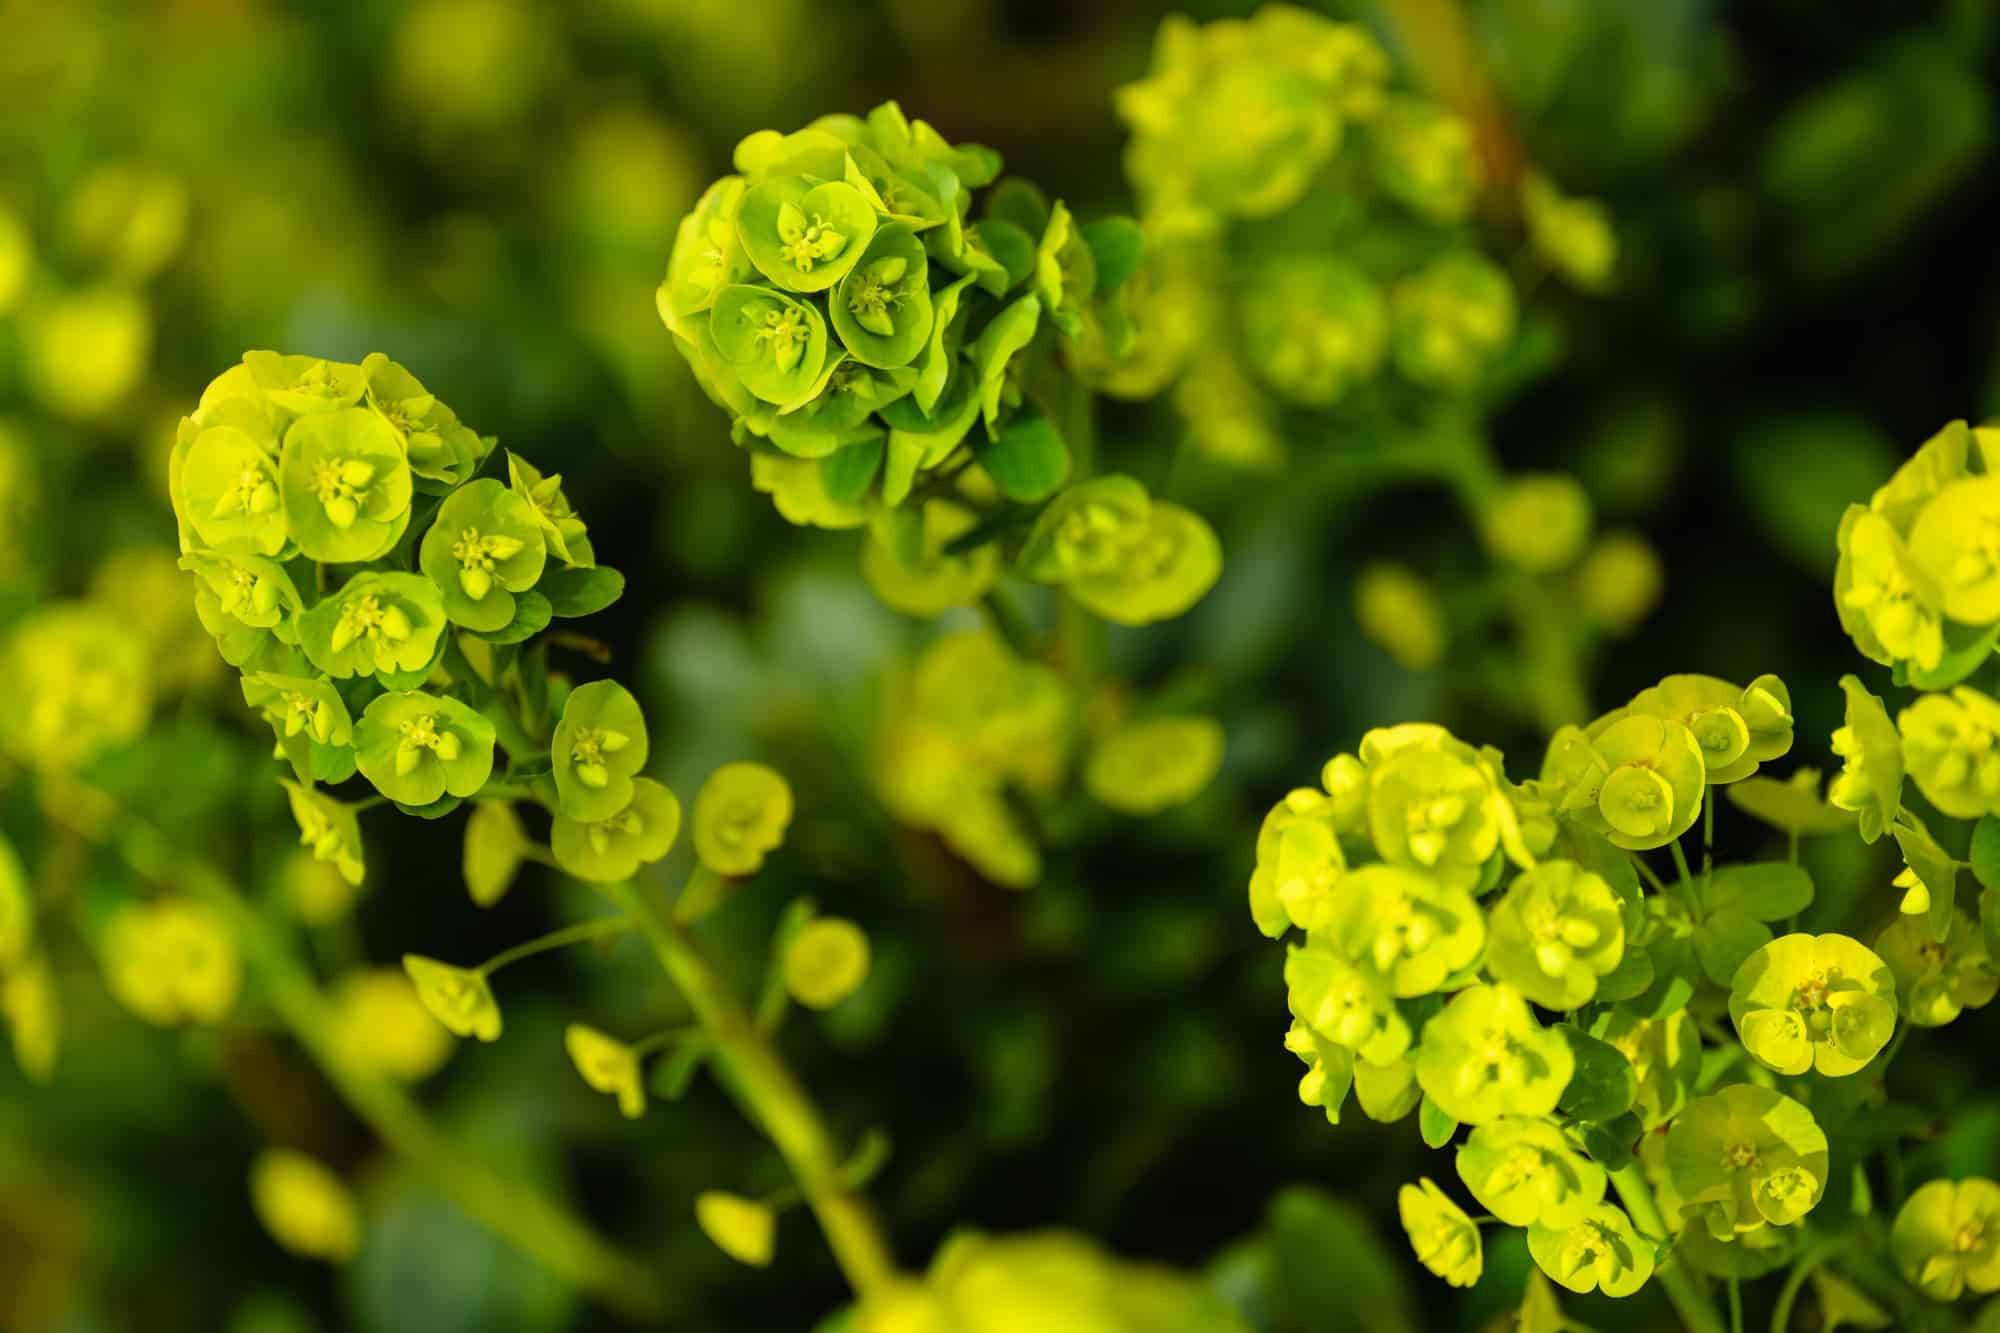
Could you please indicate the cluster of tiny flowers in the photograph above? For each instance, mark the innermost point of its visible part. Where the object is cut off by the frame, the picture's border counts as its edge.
(1502, 960)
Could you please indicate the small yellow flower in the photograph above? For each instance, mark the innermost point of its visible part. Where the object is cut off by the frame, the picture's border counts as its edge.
(608, 1066)
(304, 1206)
(741, 1228)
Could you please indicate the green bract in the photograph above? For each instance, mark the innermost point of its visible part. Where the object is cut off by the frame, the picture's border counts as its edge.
(1557, 931)
(1886, 604)
(1665, 1055)
(303, 711)
(1451, 320)
(1411, 928)
(1821, 1002)
(484, 547)
(1744, 1158)
(562, 530)
(1444, 1238)
(1955, 543)
(775, 343)
(599, 748)
(345, 485)
(1639, 780)
(611, 849)
(1951, 747)
(1947, 1237)
(1345, 1002)
(1436, 809)
(1299, 859)
(740, 816)
(1937, 979)
(1425, 156)
(803, 236)
(707, 255)
(1485, 1056)
(1539, 523)
(1313, 327)
(905, 559)
(1598, 1252)
(328, 827)
(303, 385)
(882, 308)
(77, 683)
(1871, 776)
(1126, 556)
(826, 961)
(1526, 1172)
(1737, 729)
(228, 493)
(608, 1066)
(1151, 765)
(376, 625)
(251, 590)
(417, 747)
(439, 449)
(457, 997)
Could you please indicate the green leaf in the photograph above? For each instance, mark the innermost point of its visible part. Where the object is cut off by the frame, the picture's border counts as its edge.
(1435, 1126)
(1724, 939)
(1613, 1142)
(1985, 853)
(1676, 973)
(1330, 1270)
(573, 593)
(437, 809)
(1844, 1305)
(847, 472)
(532, 613)
(1116, 244)
(1029, 460)
(1603, 1086)
(1632, 977)
(1800, 474)
(1765, 890)
(672, 1075)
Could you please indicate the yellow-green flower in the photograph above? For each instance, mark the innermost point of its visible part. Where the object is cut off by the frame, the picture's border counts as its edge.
(457, 997)
(1598, 1252)
(304, 1206)
(1400, 612)
(1619, 582)
(1746, 1157)
(1823, 1002)
(1737, 729)
(1485, 1056)
(608, 1066)
(328, 827)
(741, 1228)
(1937, 979)
(1887, 605)
(740, 817)
(1444, 1238)
(826, 961)
(1955, 542)
(1299, 859)
(1947, 1238)
(1345, 1002)
(1527, 1172)
(1557, 931)
(1640, 780)
(1410, 927)
(1540, 523)
(1573, 235)
(1951, 752)
(1153, 764)
(380, 1023)
(77, 685)
(1871, 775)
(172, 962)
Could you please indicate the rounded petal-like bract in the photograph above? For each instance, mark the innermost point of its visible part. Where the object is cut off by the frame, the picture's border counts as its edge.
(1823, 1002)
(1946, 1238)
(600, 747)
(417, 747)
(1526, 1172)
(484, 547)
(1598, 1252)
(1746, 1157)
(608, 850)
(740, 816)
(1485, 1056)
(1443, 1237)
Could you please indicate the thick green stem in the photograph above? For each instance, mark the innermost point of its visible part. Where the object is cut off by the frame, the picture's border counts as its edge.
(1694, 1309)
(770, 1096)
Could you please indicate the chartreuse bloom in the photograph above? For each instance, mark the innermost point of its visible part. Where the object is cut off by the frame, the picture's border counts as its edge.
(1345, 1002)
(1527, 1172)
(740, 817)
(804, 237)
(1937, 979)
(77, 683)
(302, 710)
(417, 748)
(1435, 810)
(1557, 931)
(1947, 1238)
(1887, 605)
(171, 962)
(441, 451)
(825, 962)
(1399, 612)
(303, 385)
(1444, 1238)
(1737, 729)
(1154, 764)
(1124, 555)
(1292, 884)
(328, 827)
(1665, 1055)
(599, 748)
(1871, 753)
(1573, 236)
(250, 589)
(743, 1229)
(1746, 1157)
(381, 1023)
(378, 624)
(563, 532)
(1619, 582)
(1485, 1056)
(17, 909)
(457, 997)
(1639, 780)
(1413, 929)
(317, 893)
(1313, 327)
(304, 1206)
(1425, 157)
(83, 350)
(774, 343)
(608, 1066)
(611, 849)
(1821, 1002)
(1955, 544)
(345, 484)
(228, 492)
(882, 308)
(1598, 1252)
(1951, 752)
(1450, 320)
(1537, 522)
(907, 563)
(484, 547)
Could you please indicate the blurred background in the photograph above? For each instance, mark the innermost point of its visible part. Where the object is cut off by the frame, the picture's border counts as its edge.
(1805, 196)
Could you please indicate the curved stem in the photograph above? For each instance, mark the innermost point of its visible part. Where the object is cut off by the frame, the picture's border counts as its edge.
(581, 933)
(1688, 1301)
(770, 1095)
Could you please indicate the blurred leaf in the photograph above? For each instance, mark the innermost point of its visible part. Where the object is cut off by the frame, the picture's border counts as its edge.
(1029, 460)
(1799, 474)
(1331, 1271)
(581, 592)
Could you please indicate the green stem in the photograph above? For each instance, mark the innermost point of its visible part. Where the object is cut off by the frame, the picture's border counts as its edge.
(1735, 1306)
(559, 939)
(1652, 875)
(771, 1097)
(1681, 864)
(1694, 1309)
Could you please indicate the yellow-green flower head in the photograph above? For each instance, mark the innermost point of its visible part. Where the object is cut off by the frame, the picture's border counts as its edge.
(1407, 925)
(1822, 1002)
(1937, 979)
(744, 1229)
(1539, 522)
(328, 827)
(563, 532)
(1955, 543)
(1451, 320)
(457, 997)
(1665, 1055)
(484, 547)
(381, 1023)
(826, 962)
(249, 589)
(1345, 1002)
(441, 451)
(317, 892)
(345, 485)
(1526, 1172)
(1299, 860)
(1620, 582)
(418, 748)
(1329, 1072)
(1555, 933)
(302, 711)
(1737, 729)
(1598, 1252)
(1871, 753)
(740, 817)
(1639, 780)
(1313, 327)
(1426, 157)
(609, 1066)
(1746, 1157)
(1154, 764)
(299, 386)
(1124, 555)
(1950, 751)
(84, 351)
(1947, 1238)
(1443, 1237)
(1435, 810)
(33, 1014)
(1237, 117)
(378, 624)
(774, 343)
(304, 1206)
(1399, 611)
(600, 747)
(77, 683)
(1485, 1056)
(17, 909)
(707, 256)
(171, 962)
(1574, 236)
(1517, 815)
(605, 851)
(226, 484)
(906, 563)
(1887, 604)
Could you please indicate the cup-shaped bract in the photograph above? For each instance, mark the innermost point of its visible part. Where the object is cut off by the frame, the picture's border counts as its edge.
(377, 624)
(1951, 750)
(1299, 860)
(1744, 1158)
(907, 560)
(562, 531)
(1946, 1237)
(1887, 604)
(327, 827)
(1425, 157)
(1445, 1240)
(1955, 543)
(1435, 809)
(882, 308)
(304, 1206)
(1485, 1056)
(1938, 979)
(773, 342)
(1527, 1171)
(707, 256)
(458, 997)
(441, 451)
(1653, 780)
(609, 1066)
(484, 547)
(346, 486)
(1411, 927)
(1598, 1252)
(303, 711)
(1737, 729)
(1823, 1002)
(1313, 327)
(605, 851)
(1450, 321)
(227, 491)
(826, 961)
(740, 817)
(1539, 522)
(302, 385)
(418, 747)
(1153, 764)
(804, 236)
(1665, 1055)
(599, 749)
(1345, 1002)
(252, 590)
(172, 961)
(1871, 776)
(1557, 931)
